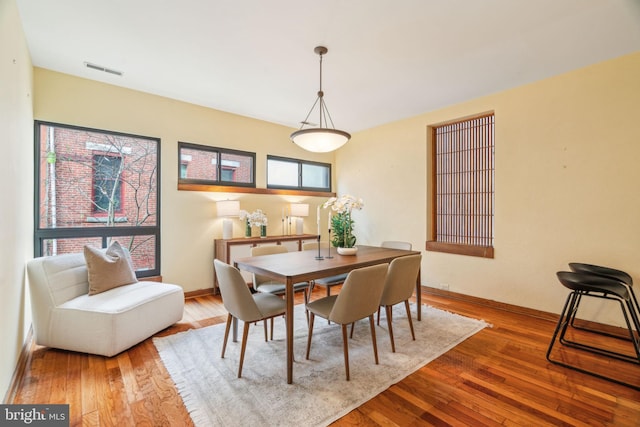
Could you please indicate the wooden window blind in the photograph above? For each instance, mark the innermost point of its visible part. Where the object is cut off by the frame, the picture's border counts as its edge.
(463, 190)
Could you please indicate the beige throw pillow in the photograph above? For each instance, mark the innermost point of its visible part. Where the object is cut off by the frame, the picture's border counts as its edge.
(108, 269)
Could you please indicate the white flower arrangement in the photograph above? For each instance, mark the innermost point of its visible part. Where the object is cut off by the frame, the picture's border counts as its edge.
(343, 204)
(256, 218)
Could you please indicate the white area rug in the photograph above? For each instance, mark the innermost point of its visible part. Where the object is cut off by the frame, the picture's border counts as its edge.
(214, 396)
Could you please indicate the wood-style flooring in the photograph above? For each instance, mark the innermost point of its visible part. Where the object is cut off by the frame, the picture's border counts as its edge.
(497, 377)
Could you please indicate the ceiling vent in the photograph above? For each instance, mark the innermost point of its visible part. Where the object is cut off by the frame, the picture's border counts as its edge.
(101, 68)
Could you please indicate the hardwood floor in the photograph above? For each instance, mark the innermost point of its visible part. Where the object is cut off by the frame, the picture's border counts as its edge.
(497, 377)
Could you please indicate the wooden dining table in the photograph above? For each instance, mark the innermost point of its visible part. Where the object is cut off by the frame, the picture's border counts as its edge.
(304, 266)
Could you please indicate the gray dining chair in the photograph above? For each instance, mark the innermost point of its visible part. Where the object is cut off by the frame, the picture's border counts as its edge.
(268, 285)
(241, 304)
(396, 244)
(326, 282)
(399, 286)
(359, 298)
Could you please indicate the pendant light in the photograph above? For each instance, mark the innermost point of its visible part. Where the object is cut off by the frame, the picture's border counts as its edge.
(321, 139)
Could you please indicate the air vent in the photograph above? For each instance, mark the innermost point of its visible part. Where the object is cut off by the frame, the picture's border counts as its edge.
(101, 68)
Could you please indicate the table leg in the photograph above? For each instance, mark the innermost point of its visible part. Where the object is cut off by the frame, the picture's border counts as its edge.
(419, 296)
(234, 329)
(289, 317)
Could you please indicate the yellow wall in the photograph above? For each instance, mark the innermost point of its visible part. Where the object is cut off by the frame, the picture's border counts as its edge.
(567, 185)
(188, 219)
(16, 188)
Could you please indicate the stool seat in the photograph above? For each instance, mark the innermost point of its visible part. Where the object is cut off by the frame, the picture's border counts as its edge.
(586, 282)
(598, 270)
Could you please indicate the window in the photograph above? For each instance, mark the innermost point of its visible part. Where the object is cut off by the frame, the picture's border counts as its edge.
(95, 186)
(298, 174)
(462, 190)
(201, 164)
(107, 184)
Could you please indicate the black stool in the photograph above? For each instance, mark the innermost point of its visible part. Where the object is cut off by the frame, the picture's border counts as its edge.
(590, 285)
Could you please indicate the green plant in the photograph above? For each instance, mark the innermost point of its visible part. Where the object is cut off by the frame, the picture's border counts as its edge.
(342, 227)
(342, 223)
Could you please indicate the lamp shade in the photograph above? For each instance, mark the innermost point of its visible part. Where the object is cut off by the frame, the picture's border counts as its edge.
(228, 208)
(320, 140)
(299, 209)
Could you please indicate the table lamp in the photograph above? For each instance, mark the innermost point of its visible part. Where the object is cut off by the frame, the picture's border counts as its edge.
(299, 210)
(227, 209)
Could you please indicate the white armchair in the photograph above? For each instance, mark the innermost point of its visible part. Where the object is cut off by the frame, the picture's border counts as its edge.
(65, 316)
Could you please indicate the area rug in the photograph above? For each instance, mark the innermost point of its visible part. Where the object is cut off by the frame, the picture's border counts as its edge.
(319, 395)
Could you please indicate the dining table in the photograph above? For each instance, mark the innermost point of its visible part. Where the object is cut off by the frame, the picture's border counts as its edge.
(305, 266)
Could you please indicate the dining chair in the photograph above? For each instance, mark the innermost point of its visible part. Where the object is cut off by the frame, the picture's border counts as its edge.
(268, 285)
(326, 282)
(396, 244)
(242, 304)
(359, 298)
(398, 287)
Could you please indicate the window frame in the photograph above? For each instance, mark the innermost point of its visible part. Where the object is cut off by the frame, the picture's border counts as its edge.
(105, 234)
(487, 204)
(300, 163)
(219, 167)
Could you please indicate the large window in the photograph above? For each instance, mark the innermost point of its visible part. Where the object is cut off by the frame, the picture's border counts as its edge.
(462, 190)
(95, 186)
(298, 174)
(201, 164)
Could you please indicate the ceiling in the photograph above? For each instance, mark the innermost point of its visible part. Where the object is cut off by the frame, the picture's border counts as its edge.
(387, 59)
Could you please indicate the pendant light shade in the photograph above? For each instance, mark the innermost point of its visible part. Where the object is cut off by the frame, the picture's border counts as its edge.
(321, 139)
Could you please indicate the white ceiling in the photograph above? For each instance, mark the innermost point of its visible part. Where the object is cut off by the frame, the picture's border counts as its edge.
(387, 59)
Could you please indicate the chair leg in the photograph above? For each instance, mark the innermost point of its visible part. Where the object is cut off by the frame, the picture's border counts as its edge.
(406, 306)
(387, 309)
(311, 318)
(226, 334)
(378, 322)
(373, 338)
(345, 346)
(245, 335)
(266, 337)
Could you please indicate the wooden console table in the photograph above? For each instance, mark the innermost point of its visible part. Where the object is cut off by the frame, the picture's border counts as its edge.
(228, 250)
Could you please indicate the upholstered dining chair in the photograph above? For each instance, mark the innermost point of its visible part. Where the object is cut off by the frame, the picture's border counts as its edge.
(326, 282)
(241, 304)
(396, 244)
(268, 285)
(359, 298)
(398, 287)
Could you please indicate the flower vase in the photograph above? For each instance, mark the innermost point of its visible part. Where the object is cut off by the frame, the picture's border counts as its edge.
(263, 231)
(247, 230)
(347, 251)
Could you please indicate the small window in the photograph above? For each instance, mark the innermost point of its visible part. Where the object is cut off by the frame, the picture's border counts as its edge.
(201, 164)
(298, 174)
(107, 184)
(462, 191)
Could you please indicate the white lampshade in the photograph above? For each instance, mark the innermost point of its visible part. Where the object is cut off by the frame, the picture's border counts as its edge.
(299, 209)
(227, 209)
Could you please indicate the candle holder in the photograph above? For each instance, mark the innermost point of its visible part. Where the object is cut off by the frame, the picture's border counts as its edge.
(319, 257)
(329, 247)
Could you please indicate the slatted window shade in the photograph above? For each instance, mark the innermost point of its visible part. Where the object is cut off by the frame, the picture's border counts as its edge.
(463, 190)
